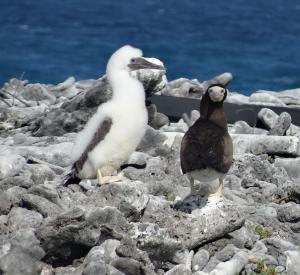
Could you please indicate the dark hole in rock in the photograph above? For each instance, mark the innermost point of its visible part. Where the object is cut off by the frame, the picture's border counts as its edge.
(272, 156)
(136, 166)
(30, 161)
(259, 124)
(65, 256)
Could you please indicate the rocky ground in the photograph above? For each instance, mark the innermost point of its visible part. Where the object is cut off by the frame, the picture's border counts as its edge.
(146, 224)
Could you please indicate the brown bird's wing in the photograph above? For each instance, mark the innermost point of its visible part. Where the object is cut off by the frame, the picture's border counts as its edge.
(228, 153)
(206, 145)
(99, 135)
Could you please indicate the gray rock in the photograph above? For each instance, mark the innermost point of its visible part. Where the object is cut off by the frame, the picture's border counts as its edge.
(3, 219)
(232, 266)
(15, 194)
(292, 262)
(291, 165)
(109, 216)
(179, 270)
(200, 260)
(41, 205)
(138, 158)
(130, 266)
(226, 253)
(88, 184)
(61, 120)
(290, 97)
(277, 246)
(151, 141)
(175, 127)
(156, 119)
(56, 154)
(21, 254)
(5, 204)
(242, 127)
(195, 114)
(129, 197)
(244, 237)
(20, 218)
(10, 165)
(66, 84)
(20, 116)
(38, 92)
(289, 192)
(159, 120)
(267, 211)
(157, 243)
(265, 99)
(251, 168)
(202, 225)
(46, 191)
(222, 79)
(279, 269)
(127, 249)
(259, 250)
(3, 225)
(94, 263)
(41, 173)
(282, 124)
(289, 212)
(19, 138)
(184, 87)
(237, 98)
(23, 180)
(108, 250)
(113, 271)
(18, 263)
(213, 262)
(72, 234)
(153, 80)
(26, 239)
(98, 94)
(66, 270)
(268, 117)
(259, 144)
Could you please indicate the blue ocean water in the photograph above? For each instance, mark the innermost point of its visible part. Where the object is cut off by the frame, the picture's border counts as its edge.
(258, 41)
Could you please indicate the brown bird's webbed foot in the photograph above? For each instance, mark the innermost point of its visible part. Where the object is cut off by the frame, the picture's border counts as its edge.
(108, 179)
(193, 189)
(220, 192)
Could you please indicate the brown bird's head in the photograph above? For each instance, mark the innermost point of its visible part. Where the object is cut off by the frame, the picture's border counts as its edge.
(216, 92)
(212, 99)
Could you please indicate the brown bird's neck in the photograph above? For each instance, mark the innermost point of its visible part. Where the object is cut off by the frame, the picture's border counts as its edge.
(213, 111)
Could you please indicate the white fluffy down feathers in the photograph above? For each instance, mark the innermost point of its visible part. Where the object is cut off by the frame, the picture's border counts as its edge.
(129, 118)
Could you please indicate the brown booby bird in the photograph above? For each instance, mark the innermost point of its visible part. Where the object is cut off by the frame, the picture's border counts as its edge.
(116, 129)
(206, 149)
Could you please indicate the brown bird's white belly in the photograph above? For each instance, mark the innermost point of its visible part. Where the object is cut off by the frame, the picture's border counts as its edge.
(205, 175)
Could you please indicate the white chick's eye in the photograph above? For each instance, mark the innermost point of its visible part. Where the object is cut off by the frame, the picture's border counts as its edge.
(132, 60)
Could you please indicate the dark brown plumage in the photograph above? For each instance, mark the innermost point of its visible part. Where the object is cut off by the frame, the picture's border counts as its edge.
(207, 144)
